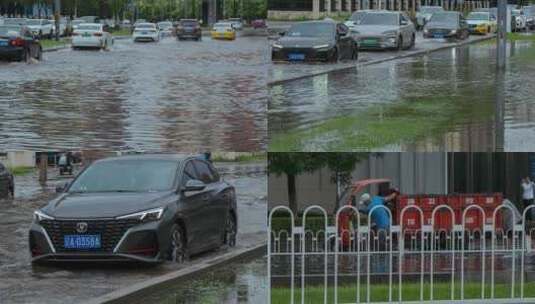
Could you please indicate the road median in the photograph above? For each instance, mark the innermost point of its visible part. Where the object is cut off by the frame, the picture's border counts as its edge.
(124, 294)
(405, 54)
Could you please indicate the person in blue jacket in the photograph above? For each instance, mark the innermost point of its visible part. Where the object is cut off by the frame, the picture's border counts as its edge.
(380, 217)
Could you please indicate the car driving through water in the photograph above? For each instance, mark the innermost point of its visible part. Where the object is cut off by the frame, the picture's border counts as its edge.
(380, 30)
(147, 208)
(447, 25)
(323, 40)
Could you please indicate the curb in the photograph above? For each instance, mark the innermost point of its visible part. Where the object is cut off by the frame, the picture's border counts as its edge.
(122, 295)
(354, 66)
(56, 48)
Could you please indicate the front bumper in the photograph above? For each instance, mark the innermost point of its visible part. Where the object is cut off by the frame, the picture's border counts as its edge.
(11, 52)
(310, 54)
(226, 35)
(439, 33)
(480, 29)
(377, 42)
(122, 240)
(189, 34)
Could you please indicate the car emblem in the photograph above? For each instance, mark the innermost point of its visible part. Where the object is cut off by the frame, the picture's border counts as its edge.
(81, 227)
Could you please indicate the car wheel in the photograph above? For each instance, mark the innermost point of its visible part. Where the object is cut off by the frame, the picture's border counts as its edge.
(177, 245)
(400, 43)
(230, 231)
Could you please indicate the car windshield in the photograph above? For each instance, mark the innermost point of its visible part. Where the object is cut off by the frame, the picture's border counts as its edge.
(444, 18)
(188, 23)
(33, 22)
(14, 21)
(357, 16)
(478, 16)
(318, 29)
(430, 10)
(380, 19)
(11, 30)
(165, 24)
(88, 27)
(222, 25)
(145, 26)
(126, 176)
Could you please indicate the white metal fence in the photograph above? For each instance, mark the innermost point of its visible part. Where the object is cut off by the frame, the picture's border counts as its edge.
(364, 256)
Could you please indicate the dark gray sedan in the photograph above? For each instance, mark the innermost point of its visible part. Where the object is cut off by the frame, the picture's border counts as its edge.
(446, 25)
(146, 208)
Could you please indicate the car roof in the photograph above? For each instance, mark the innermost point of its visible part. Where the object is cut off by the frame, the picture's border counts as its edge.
(142, 157)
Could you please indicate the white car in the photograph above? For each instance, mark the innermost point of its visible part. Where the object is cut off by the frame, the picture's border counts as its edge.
(520, 20)
(146, 32)
(40, 27)
(62, 27)
(75, 23)
(91, 35)
(237, 23)
(166, 28)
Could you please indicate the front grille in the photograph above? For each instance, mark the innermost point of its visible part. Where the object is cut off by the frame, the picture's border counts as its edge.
(110, 232)
(439, 31)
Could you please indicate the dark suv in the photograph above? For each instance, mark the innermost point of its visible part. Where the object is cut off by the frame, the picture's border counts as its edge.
(144, 208)
(188, 29)
(7, 185)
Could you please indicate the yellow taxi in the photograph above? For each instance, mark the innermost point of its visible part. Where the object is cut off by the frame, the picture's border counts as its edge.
(223, 30)
(481, 23)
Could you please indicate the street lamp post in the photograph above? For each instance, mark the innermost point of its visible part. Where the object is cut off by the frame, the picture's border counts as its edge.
(501, 38)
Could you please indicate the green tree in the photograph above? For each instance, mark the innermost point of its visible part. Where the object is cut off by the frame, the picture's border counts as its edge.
(293, 164)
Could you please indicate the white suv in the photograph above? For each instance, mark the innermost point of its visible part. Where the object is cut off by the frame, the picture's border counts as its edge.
(40, 27)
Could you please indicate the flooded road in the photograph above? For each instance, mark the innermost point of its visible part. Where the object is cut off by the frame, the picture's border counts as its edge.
(237, 283)
(447, 101)
(20, 282)
(187, 96)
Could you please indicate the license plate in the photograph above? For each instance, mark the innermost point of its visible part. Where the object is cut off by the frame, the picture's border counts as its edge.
(438, 36)
(295, 56)
(86, 241)
(3, 42)
(369, 41)
(86, 35)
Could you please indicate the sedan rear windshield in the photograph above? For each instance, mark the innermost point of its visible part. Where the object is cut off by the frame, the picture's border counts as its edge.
(89, 27)
(312, 30)
(127, 176)
(478, 16)
(444, 18)
(145, 26)
(380, 19)
(10, 31)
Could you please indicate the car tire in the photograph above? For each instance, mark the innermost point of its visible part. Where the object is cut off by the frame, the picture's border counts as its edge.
(177, 252)
(230, 231)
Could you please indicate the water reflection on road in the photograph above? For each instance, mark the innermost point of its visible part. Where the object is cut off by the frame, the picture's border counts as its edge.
(441, 101)
(165, 96)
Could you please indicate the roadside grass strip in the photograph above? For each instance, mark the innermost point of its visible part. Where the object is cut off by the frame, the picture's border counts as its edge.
(410, 292)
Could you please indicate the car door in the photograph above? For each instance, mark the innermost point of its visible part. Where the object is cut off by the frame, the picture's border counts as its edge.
(195, 207)
(216, 206)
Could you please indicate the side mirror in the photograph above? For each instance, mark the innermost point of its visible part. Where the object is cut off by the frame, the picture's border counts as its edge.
(194, 185)
(61, 188)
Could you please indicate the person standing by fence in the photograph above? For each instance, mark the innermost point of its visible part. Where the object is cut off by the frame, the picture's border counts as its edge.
(528, 188)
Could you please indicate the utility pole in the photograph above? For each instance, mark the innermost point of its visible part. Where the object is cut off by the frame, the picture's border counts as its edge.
(57, 9)
(501, 38)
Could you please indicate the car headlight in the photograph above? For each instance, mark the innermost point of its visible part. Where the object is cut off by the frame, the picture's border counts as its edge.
(145, 216)
(277, 46)
(425, 31)
(390, 34)
(453, 32)
(321, 46)
(39, 216)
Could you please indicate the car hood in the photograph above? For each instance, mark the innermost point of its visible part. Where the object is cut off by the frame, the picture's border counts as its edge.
(104, 204)
(477, 21)
(375, 29)
(440, 25)
(304, 41)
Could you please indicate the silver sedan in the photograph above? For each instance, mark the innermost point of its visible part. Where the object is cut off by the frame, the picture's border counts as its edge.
(385, 30)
